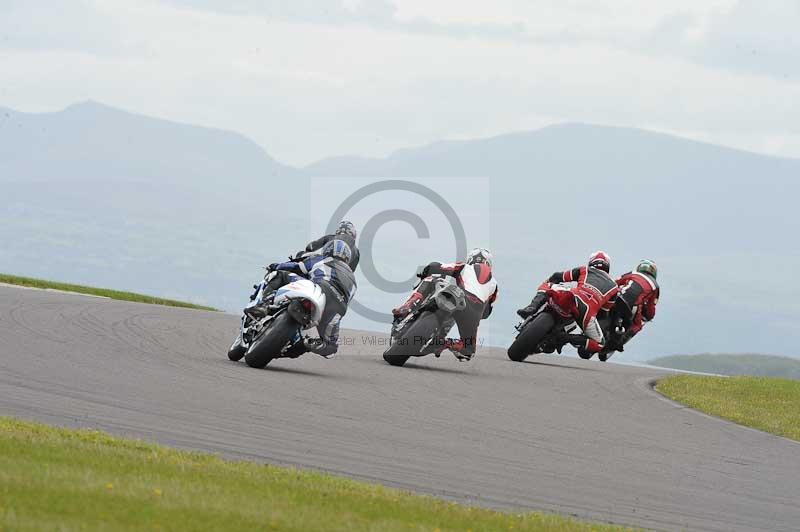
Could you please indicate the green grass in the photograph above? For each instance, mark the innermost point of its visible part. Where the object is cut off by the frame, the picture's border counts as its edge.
(754, 365)
(766, 403)
(105, 292)
(62, 479)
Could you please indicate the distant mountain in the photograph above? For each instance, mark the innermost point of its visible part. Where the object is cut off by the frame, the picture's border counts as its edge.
(95, 195)
(754, 365)
(567, 150)
(93, 141)
(619, 184)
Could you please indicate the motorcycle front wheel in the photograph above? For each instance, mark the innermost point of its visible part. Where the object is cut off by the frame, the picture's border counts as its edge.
(237, 350)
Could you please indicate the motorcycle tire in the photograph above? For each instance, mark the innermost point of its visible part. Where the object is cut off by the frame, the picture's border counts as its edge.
(403, 347)
(270, 343)
(237, 350)
(530, 337)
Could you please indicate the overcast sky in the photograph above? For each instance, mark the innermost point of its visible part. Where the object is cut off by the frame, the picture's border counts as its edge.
(308, 79)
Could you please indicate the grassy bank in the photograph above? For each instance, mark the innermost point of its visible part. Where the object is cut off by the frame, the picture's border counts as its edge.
(752, 365)
(59, 479)
(765, 403)
(105, 292)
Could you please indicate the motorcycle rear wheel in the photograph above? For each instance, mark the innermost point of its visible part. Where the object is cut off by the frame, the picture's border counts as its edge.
(405, 347)
(531, 336)
(270, 343)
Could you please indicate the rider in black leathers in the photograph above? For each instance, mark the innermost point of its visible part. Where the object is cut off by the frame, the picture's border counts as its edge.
(331, 272)
(345, 232)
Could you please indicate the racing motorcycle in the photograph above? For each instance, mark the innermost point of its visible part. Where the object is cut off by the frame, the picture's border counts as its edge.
(546, 331)
(542, 332)
(274, 321)
(420, 332)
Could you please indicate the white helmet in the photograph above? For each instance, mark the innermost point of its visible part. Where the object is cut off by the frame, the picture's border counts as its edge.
(479, 256)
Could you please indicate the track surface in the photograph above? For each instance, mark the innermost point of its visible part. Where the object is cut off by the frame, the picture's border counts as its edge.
(559, 434)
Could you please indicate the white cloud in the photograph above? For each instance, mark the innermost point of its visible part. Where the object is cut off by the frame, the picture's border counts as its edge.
(60, 25)
(306, 86)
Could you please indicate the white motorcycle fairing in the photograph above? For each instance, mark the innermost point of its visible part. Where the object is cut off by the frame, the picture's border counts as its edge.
(302, 289)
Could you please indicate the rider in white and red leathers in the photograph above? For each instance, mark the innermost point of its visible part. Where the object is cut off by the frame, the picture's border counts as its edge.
(474, 276)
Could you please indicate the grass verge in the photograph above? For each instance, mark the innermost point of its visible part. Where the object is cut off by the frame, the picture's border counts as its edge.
(105, 292)
(63, 479)
(766, 403)
(753, 365)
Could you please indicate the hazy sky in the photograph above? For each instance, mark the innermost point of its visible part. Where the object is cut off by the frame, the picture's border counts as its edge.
(308, 79)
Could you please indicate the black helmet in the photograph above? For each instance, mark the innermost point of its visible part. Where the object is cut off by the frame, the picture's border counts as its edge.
(346, 228)
(338, 249)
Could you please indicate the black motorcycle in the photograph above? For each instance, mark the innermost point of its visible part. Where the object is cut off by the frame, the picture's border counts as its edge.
(420, 332)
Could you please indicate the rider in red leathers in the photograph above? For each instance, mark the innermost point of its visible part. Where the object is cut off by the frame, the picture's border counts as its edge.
(637, 300)
(594, 291)
(474, 275)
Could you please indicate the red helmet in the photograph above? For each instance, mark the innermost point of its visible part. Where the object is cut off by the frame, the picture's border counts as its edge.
(600, 260)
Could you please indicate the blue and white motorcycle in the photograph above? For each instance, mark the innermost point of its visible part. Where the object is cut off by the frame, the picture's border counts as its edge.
(274, 321)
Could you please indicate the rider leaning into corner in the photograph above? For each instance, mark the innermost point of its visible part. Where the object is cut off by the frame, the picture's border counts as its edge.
(637, 300)
(346, 231)
(332, 273)
(474, 276)
(594, 291)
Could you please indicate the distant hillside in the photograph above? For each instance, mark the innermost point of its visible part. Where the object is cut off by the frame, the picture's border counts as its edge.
(754, 365)
(90, 140)
(573, 149)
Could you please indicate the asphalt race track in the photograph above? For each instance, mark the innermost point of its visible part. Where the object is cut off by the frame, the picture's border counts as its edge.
(576, 437)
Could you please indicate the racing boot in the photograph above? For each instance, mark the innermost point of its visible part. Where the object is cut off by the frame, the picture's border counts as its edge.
(320, 347)
(295, 350)
(585, 345)
(456, 346)
(406, 308)
(536, 303)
